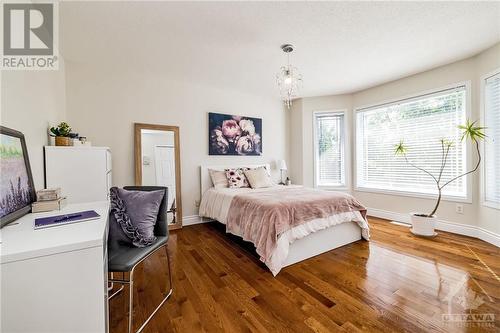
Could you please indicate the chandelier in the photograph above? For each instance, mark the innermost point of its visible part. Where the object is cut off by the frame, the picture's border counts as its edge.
(288, 78)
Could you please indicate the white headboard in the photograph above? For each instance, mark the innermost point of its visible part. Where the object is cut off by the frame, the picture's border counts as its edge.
(206, 182)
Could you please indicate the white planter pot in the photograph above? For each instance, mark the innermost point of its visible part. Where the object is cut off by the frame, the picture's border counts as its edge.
(423, 226)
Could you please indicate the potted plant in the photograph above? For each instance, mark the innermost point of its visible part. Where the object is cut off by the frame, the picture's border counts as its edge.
(424, 224)
(61, 132)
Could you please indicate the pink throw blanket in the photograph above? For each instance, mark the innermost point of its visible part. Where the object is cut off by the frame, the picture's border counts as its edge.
(262, 216)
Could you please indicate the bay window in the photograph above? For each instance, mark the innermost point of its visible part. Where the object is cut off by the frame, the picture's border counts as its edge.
(492, 142)
(421, 122)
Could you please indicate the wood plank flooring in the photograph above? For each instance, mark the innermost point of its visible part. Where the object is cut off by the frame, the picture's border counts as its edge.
(395, 283)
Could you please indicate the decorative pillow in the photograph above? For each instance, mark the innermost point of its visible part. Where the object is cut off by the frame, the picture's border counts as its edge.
(236, 177)
(116, 235)
(219, 178)
(142, 207)
(136, 213)
(259, 178)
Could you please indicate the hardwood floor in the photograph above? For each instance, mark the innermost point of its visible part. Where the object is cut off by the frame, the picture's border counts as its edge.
(394, 283)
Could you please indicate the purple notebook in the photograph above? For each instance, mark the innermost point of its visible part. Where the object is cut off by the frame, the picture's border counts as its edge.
(52, 221)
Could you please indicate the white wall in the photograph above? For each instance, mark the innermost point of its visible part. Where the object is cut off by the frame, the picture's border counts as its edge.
(295, 142)
(32, 101)
(103, 104)
(466, 70)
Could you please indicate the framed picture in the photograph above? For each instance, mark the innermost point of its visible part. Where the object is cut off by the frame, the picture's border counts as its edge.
(16, 182)
(234, 135)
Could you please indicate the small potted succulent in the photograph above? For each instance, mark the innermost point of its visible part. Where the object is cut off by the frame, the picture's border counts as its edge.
(62, 134)
(424, 224)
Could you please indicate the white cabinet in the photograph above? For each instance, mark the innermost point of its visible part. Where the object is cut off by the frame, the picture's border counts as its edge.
(55, 279)
(82, 173)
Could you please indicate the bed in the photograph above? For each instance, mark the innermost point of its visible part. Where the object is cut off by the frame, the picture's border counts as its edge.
(319, 221)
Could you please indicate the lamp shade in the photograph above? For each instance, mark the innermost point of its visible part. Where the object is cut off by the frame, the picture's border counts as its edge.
(282, 165)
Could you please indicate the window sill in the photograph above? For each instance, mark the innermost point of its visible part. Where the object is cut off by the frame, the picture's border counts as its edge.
(333, 188)
(492, 205)
(447, 198)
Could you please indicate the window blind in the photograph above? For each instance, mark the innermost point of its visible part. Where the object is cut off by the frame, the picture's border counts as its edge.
(492, 143)
(329, 155)
(421, 122)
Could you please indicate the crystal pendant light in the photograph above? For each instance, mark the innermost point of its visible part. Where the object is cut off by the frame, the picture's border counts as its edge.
(288, 78)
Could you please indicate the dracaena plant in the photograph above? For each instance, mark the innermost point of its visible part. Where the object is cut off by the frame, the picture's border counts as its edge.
(470, 132)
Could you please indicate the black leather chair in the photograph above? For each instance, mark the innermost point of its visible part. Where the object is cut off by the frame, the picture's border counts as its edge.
(124, 258)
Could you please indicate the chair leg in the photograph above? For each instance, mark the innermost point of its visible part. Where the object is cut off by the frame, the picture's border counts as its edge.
(112, 286)
(130, 283)
(131, 301)
(116, 292)
(167, 296)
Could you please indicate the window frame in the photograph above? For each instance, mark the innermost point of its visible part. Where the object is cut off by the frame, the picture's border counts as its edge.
(482, 107)
(344, 153)
(414, 96)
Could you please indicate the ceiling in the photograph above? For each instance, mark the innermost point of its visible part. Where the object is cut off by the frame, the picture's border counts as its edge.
(340, 47)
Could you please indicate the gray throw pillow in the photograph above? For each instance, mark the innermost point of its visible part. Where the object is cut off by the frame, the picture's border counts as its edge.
(121, 230)
(117, 236)
(142, 207)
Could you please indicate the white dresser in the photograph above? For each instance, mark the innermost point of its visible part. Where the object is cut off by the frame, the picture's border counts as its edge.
(82, 173)
(55, 279)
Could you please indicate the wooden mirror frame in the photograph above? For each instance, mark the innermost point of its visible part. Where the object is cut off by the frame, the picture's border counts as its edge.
(138, 164)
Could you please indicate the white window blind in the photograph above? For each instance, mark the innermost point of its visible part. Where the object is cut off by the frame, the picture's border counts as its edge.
(329, 149)
(421, 122)
(492, 143)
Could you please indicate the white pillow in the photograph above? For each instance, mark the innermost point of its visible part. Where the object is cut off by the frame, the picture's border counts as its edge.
(219, 178)
(258, 178)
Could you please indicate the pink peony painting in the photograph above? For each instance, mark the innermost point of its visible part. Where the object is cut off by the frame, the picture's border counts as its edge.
(234, 135)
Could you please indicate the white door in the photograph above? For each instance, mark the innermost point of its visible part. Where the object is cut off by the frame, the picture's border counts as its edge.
(165, 170)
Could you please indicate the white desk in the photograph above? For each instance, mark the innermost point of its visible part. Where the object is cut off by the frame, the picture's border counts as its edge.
(55, 279)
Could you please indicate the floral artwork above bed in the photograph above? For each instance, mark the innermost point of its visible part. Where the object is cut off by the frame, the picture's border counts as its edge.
(234, 135)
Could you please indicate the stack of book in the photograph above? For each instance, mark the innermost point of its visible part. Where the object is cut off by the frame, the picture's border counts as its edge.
(47, 200)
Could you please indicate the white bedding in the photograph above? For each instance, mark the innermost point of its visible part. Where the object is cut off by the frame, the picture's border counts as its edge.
(215, 204)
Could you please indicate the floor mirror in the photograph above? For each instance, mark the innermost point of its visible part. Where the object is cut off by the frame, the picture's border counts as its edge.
(157, 163)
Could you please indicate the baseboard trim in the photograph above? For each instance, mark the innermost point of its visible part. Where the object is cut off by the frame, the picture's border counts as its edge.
(456, 228)
(194, 219)
(489, 237)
